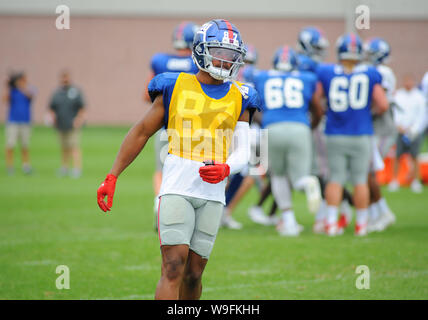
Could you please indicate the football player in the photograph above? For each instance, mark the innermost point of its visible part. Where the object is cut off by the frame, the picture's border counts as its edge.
(180, 61)
(312, 48)
(377, 52)
(207, 120)
(288, 96)
(353, 91)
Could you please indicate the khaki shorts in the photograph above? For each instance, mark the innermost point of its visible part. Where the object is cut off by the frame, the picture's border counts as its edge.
(18, 131)
(69, 139)
(188, 220)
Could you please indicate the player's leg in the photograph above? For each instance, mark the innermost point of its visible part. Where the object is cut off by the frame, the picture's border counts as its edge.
(233, 196)
(415, 146)
(360, 155)
(299, 161)
(176, 220)
(337, 164)
(227, 220)
(174, 259)
(191, 286)
(256, 212)
(400, 150)
(278, 145)
(207, 222)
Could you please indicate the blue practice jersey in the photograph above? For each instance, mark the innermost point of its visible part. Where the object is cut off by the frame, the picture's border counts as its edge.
(164, 84)
(349, 98)
(285, 96)
(163, 62)
(306, 63)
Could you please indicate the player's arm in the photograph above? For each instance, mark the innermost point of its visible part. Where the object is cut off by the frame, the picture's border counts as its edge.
(132, 145)
(380, 101)
(316, 107)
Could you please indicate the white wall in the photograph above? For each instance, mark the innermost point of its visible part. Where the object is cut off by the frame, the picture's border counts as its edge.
(383, 9)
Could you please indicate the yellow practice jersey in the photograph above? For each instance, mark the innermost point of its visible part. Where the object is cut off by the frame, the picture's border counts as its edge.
(200, 127)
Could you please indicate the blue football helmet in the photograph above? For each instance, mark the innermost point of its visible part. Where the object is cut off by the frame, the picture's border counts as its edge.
(285, 59)
(312, 42)
(216, 46)
(182, 37)
(377, 50)
(251, 54)
(349, 47)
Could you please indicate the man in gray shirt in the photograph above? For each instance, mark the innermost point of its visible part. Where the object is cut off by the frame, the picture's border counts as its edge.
(67, 110)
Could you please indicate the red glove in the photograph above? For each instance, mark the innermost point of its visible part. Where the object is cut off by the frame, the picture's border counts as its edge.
(214, 172)
(106, 189)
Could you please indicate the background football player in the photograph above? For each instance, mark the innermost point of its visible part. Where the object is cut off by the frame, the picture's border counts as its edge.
(287, 97)
(377, 52)
(350, 90)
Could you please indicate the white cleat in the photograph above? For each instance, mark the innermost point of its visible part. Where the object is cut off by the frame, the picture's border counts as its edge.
(257, 215)
(332, 230)
(416, 186)
(387, 218)
(361, 230)
(290, 229)
(313, 193)
(393, 186)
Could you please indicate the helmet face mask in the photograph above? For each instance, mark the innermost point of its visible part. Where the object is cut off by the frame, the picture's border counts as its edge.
(218, 50)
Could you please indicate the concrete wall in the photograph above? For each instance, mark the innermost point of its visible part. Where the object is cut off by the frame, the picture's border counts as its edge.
(109, 56)
(387, 9)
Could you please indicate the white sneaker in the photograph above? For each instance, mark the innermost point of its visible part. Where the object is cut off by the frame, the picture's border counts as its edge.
(387, 218)
(416, 186)
(375, 225)
(393, 186)
(313, 194)
(332, 230)
(289, 229)
(228, 222)
(361, 230)
(257, 215)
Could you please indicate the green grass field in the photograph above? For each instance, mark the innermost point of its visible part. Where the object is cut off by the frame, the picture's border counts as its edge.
(46, 221)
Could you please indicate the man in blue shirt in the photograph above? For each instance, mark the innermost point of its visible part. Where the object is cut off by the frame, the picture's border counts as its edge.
(350, 90)
(18, 127)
